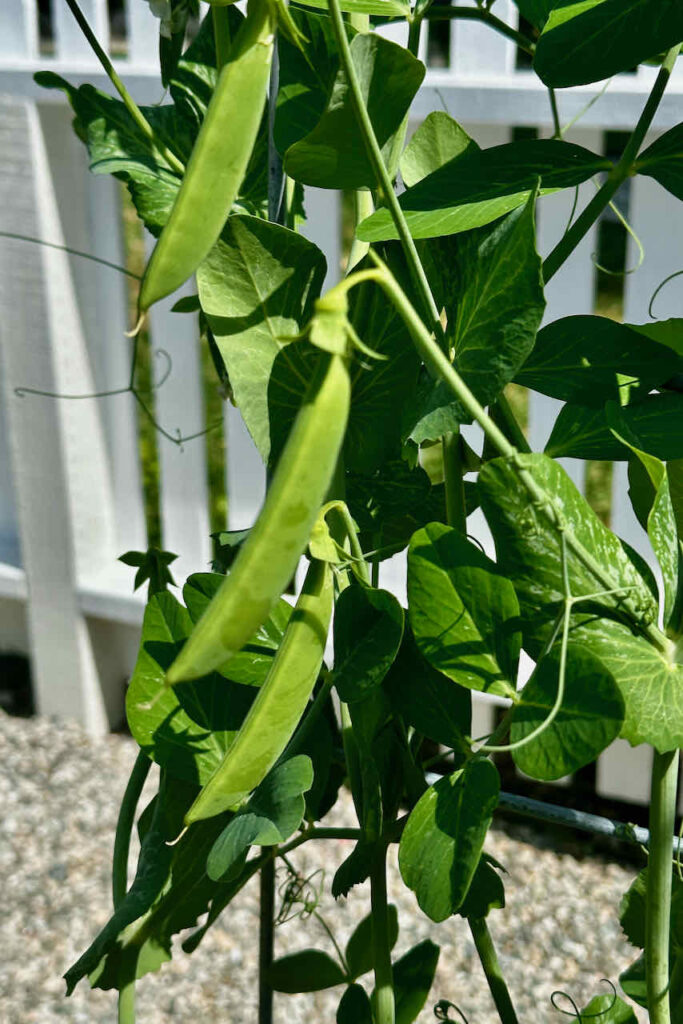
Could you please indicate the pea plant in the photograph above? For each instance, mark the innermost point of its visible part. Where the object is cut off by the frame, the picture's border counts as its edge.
(355, 399)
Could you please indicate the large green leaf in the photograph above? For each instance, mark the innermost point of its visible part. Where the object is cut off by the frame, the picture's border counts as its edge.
(354, 1006)
(663, 161)
(306, 78)
(427, 699)
(591, 715)
(443, 837)
(307, 971)
(359, 953)
(536, 11)
(655, 423)
(380, 387)
(577, 359)
(493, 296)
(529, 553)
(438, 139)
(479, 186)
(186, 728)
(608, 1009)
(334, 154)
(463, 612)
(368, 626)
(588, 40)
(273, 812)
(413, 977)
(486, 891)
(257, 289)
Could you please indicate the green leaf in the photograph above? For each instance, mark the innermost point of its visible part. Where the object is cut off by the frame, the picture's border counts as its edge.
(591, 715)
(463, 612)
(529, 552)
(578, 359)
(306, 78)
(661, 529)
(587, 40)
(645, 474)
(355, 869)
(674, 472)
(536, 11)
(486, 891)
(481, 185)
(307, 971)
(632, 911)
(354, 1006)
(427, 699)
(609, 1009)
(380, 387)
(272, 813)
(226, 547)
(443, 838)
(633, 982)
(359, 953)
(189, 727)
(438, 139)
(334, 154)
(413, 978)
(257, 289)
(655, 423)
(663, 161)
(368, 626)
(493, 295)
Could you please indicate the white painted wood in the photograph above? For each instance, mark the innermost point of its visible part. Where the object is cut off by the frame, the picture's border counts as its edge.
(623, 772)
(70, 43)
(323, 226)
(65, 676)
(180, 411)
(143, 35)
(395, 31)
(18, 30)
(477, 50)
(246, 474)
(90, 211)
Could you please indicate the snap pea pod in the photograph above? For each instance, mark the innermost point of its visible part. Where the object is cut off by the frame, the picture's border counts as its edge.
(266, 562)
(219, 159)
(280, 703)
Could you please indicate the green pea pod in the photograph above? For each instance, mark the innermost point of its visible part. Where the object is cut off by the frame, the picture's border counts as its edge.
(280, 703)
(219, 159)
(269, 556)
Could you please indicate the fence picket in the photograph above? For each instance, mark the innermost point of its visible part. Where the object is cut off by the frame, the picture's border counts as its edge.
(18, 30)
(477, 51)
(70, 43)
(143, 35)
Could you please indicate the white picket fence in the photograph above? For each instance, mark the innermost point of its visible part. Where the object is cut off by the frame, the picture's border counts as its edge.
(70, 479)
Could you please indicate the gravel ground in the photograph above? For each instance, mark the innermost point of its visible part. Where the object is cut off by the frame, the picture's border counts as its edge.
(60, 793)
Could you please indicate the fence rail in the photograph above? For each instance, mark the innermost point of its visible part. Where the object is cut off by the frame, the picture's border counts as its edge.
(70, 472)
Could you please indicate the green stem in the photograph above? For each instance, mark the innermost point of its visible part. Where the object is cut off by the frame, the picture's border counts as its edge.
(658, 906)
(221, 34)
(557, 126)
(381, 174)
(128, 101)
(503, 416)
(385, 1012)
(266, 939)
(435, 358)
(415, 26)
(438, 13)
(619, 173)
(126, 1007)
(124, 828)
(363, 206)
(494, 975)
(456, 512)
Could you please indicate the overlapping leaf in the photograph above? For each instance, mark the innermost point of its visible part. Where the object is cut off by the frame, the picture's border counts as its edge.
(655, 423)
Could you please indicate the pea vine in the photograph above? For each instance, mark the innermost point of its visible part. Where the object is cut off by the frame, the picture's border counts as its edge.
(355, 399)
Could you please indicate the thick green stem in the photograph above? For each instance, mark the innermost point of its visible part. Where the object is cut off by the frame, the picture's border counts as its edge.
(494, 975)
(124, 828)
(363, 206)
(456, 511)
(438, 13)
(503, 416)
(266, 938)
(385, 1012)
(221, 33)
(129, 103)
(126, 1007)
(381, 174)
(658, 907)
(619, 173)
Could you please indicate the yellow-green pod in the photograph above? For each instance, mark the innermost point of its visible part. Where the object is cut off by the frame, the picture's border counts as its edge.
(219, 159)
(280, 703)
(266, 562)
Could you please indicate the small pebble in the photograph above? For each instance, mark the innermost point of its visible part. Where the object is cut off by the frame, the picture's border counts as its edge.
(60, 793)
